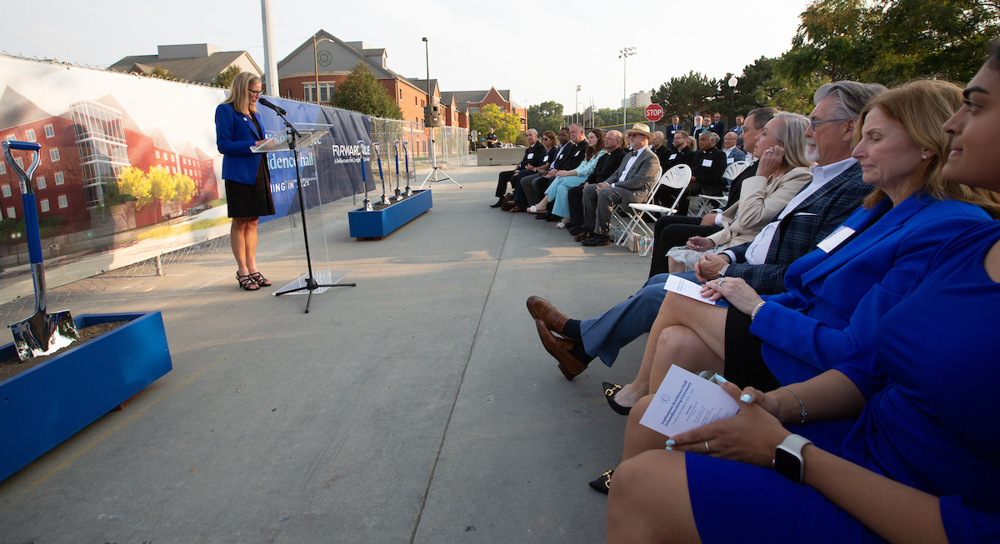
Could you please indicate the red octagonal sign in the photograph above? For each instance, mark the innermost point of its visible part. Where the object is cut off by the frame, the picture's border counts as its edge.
(654, 112)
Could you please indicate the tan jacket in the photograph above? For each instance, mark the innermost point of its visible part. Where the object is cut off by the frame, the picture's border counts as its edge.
(760, 201)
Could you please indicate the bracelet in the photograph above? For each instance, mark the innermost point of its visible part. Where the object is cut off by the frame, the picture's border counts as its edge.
(756, 309)
(802, 406)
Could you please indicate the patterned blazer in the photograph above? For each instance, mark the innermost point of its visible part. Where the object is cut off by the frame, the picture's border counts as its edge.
(799, 231)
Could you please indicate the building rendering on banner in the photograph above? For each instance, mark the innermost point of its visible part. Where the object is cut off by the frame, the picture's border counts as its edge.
(197, 63)
(83, 149)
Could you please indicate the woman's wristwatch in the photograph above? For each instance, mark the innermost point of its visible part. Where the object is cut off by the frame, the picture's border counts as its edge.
(788, 457)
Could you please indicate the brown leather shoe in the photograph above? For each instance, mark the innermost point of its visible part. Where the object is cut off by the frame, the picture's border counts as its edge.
(559, 348)
(539, 308)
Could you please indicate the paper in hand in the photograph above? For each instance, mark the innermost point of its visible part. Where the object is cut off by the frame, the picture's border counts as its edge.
(685, 401)
(685, 287)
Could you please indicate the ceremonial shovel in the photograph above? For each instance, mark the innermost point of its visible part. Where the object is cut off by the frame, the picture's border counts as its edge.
(42, 333)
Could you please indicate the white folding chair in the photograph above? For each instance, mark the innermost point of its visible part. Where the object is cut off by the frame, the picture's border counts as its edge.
(624, 218)
(703, 204)
(677, 178)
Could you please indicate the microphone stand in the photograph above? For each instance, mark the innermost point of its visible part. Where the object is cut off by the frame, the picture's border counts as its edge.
(311, 283)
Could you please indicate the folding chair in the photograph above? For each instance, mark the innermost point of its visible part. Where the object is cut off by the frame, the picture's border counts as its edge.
(704, 204)
(678, 178)
(623, 217)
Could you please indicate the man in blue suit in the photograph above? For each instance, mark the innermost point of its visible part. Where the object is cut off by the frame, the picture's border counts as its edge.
(834, 193)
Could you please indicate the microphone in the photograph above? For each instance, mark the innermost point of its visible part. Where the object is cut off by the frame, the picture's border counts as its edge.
(265, 102)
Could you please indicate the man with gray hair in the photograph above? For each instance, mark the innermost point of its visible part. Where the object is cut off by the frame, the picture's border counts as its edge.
(835, 191)
(533, 156)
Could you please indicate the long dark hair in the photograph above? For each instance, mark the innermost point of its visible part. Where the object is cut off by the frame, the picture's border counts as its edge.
(593, 151)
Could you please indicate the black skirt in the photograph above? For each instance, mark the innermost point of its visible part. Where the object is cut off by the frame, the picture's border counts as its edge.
(745, 364)
(251, 200)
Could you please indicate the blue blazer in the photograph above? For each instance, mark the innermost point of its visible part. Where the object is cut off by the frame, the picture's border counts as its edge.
(835, 300)
(234, 135)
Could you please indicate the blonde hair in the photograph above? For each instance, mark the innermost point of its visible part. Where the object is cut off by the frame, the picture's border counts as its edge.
(239, 92)
(922, 107)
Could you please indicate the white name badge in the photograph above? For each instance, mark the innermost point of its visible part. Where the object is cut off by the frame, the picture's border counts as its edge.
(730, 160)
(836, 238)
(530, 155)
(673, 156)
(706, 163)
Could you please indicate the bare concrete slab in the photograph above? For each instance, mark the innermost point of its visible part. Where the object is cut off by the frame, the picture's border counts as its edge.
(418, 406)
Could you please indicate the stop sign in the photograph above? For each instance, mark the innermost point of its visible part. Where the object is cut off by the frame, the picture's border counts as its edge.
(654, 112)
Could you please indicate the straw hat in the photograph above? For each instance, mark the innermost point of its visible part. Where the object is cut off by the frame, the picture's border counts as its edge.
(640, 128)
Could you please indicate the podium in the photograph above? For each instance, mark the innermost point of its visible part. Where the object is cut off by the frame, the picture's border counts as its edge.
(295, 137)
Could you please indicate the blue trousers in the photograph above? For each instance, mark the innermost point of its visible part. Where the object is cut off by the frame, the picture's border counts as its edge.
(605, 335)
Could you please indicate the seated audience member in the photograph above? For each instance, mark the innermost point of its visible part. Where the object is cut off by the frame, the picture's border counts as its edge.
(631, 182)
(733, 153)
(534, 186)
(719, 128)
(838, 292)
(549, 148)
(565, 179)
(564, 150)
(835, 191)
(674, 230)
(533, 155)
(662, 151)
(696, 126)
(784, 169)
(681, 154)
(707, 166)
(606, 165)
(917, 465)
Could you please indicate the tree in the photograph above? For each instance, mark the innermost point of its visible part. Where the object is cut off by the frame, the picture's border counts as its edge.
(361, 92)
(136, 183)
(226, 77)
(185, 188)
(506, 124)
(162, 73)
(686, 95)
(545, 116)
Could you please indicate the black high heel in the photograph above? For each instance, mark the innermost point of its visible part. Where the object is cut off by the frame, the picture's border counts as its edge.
(602, 484)
(609, 393)
(246, 282)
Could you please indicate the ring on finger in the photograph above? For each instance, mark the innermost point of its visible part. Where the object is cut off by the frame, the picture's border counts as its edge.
(707, 449)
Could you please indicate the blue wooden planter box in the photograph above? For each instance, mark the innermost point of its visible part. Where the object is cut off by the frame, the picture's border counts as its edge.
(48, 403)
(379, 223)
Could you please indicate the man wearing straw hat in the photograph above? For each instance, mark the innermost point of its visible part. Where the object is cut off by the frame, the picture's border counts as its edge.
(630, 183)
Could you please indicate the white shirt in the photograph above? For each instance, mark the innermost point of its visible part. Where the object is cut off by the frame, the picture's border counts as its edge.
(757, 252)
(631, 161)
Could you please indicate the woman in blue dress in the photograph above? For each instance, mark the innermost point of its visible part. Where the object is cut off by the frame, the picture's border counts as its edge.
(565, 180)
(918, 465)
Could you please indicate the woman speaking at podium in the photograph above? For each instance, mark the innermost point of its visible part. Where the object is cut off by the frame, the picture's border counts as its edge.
(248, 182)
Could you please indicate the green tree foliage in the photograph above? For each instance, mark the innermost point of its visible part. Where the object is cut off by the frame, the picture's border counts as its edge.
(686, 95)
(148, 187)
(505, 124)
(135, 182)
(361, 92)
(162, 73)
(890, 41)
(545, 116)
(226, 77)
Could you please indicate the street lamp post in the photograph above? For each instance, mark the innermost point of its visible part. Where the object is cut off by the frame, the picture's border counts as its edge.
(316, 62)
(577, 114)
(624, 54)
(732, 101)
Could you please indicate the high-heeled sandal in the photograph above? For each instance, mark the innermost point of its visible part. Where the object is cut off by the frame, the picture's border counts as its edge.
(610, 389)
(259, 279)
(603, 484)
(246, 282)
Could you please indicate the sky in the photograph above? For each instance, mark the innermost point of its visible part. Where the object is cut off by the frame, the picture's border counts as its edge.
(540, 51)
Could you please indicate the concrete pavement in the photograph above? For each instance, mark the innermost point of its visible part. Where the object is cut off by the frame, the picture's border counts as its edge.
(417, 407)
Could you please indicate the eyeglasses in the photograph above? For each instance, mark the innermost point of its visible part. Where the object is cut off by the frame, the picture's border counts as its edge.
(813, 123)
(253, 92)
